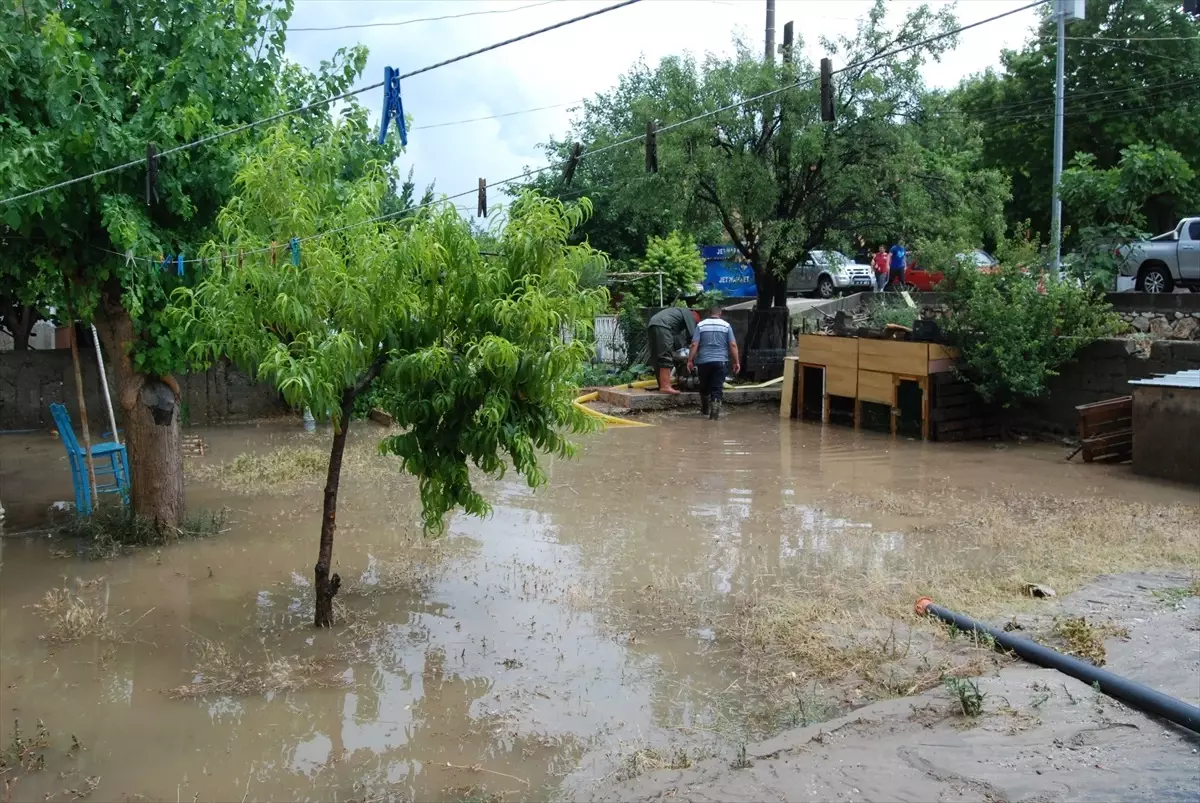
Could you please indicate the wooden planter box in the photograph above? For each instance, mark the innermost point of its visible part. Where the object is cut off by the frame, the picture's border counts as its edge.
(868, 370)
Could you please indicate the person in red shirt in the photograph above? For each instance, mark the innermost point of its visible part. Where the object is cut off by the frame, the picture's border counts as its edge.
(879, 261)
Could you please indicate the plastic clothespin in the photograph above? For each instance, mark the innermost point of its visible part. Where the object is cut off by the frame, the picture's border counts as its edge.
(241, 258)
(651, 147)
(393, 106)
(295, 244)
(129, 258)
(166, 261)
(481, 206)
(572, 163)
(179, 264)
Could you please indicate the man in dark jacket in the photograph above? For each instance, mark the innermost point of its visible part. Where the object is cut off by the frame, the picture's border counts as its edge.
(669, 331)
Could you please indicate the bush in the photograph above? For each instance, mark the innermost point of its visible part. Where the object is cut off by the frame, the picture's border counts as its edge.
(1015, 327)
(678, 259)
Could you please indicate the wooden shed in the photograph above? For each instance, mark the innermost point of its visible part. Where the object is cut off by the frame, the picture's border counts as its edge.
(835, 376)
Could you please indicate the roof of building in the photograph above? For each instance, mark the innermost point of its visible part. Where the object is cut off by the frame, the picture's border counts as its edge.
(1182, 379)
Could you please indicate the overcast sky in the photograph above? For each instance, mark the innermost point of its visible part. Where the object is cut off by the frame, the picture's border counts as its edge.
(559, 68)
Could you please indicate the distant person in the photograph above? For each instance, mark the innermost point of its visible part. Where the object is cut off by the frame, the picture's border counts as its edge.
(880, 261)
(669, 331)
(898, 257)
(713, 349)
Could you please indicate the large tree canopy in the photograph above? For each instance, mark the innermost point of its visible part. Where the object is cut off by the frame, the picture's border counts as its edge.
(86, 86)
(768, 174)
(1132, 73)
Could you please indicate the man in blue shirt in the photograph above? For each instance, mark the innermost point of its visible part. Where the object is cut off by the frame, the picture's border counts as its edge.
(898, 256)
(713, 349)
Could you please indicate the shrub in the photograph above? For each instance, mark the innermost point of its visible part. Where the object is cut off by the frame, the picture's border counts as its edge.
(1016, 326)
(682, 268)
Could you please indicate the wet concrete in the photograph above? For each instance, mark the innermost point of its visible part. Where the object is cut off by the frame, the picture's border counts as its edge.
(491, 666)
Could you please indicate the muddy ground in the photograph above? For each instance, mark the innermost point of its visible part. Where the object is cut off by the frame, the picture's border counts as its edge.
(674, 594)
(1042, 736)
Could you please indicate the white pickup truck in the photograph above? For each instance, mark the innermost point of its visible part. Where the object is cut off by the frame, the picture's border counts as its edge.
(1161, 263)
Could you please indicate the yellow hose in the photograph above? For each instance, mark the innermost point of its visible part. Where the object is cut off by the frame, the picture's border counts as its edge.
(610, 420)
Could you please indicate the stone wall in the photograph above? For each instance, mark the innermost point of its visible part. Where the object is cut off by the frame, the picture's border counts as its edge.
(1100, 371)
(31, 380)
(1168, 325)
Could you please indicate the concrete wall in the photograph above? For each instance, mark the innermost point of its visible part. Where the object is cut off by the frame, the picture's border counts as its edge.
(31, 380)
(1102, 370)
(1166, 431)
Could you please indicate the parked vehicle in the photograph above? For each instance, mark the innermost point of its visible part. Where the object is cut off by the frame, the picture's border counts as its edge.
(1162, 262)
(916, 277)
(826, 273)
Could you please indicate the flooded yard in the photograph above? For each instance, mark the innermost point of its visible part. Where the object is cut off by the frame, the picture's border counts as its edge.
(672, 593)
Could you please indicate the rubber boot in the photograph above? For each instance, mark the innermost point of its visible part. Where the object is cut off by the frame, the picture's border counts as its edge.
(704, 404)
(714, 409)
(664, 381)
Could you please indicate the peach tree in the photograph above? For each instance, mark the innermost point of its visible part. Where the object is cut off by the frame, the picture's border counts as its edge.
(470, 349)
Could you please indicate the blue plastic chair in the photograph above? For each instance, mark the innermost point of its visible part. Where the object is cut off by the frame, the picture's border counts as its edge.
(109, 461)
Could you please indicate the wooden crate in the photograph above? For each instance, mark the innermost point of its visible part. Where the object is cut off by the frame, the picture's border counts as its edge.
(878, 387)
(894, 357)
(827, 350)
(1106, 430)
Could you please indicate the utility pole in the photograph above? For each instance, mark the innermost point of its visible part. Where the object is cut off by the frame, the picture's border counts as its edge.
(770, 31)
(1063, 10)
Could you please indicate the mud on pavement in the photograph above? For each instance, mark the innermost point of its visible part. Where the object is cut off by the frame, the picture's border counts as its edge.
(1042, 736)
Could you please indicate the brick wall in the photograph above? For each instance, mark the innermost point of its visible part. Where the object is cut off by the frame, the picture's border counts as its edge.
(31, 380)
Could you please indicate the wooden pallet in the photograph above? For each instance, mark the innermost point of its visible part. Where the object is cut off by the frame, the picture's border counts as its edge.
(1106, 430)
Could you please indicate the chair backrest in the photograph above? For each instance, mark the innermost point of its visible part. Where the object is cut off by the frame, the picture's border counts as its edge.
(62, 420)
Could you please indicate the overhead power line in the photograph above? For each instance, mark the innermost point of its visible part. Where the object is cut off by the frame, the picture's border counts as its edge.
(496, 116)
(320, 103)
(640, 137)
(399, 23)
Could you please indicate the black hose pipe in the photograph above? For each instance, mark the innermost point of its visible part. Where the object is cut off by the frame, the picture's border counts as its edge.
(1140, 697)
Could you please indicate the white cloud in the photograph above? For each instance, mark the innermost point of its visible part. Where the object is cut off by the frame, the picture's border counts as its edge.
(574, 62)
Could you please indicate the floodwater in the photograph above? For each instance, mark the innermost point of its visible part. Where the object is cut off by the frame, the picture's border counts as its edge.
(510, 662)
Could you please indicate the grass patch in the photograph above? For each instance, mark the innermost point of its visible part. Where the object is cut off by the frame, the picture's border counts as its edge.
(1085, 640)
(966, 694)
(115, 530)
(72, 616)
(885, 312)
(283, 466)
(1178, 594)
(218, 672)
(647, 759)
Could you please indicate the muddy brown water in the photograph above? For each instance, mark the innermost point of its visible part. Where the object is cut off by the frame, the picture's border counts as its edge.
(491, 669)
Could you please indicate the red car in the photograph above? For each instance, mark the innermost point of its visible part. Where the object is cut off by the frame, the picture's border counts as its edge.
(918, 279)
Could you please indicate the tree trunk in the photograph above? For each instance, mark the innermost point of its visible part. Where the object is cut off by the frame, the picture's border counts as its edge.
(150, 415)
(326, 585)
(20, 321)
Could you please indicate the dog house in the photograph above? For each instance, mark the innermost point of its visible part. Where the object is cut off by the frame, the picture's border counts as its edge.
(886, 384)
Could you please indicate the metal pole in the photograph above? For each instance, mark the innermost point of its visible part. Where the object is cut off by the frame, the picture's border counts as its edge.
(770, 31)
(112, 419)
(1056, 202)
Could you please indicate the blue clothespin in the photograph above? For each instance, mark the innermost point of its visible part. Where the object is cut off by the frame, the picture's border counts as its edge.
(179, 265)
(393, 106)
(295, 244)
